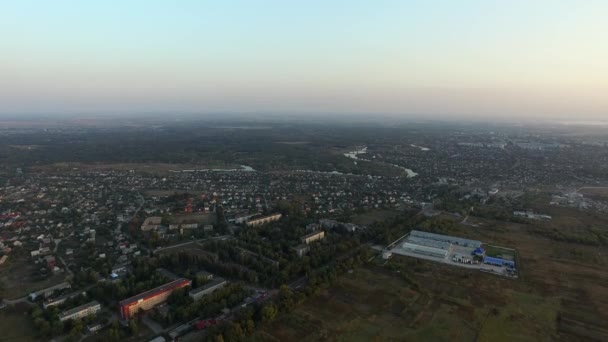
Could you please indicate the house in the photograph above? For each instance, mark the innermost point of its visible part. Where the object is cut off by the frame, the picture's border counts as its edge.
(351, 227)
(50, 261)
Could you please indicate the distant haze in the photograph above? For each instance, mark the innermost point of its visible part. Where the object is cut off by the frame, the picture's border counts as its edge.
(480, 59)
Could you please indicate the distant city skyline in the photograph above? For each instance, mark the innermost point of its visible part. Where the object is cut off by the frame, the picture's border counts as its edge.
(470, 59)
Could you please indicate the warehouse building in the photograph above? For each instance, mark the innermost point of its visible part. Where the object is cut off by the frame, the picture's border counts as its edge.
(434, 248)
(149, 299)
(446, 238)
(498, 262)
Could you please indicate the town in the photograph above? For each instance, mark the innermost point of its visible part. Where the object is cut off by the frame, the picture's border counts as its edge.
(110, 248)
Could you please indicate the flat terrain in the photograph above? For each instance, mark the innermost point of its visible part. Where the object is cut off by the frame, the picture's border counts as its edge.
(16, 326)
(156, 168)
(19, 270)
(372, 216)
(562, 294)
(374, 304)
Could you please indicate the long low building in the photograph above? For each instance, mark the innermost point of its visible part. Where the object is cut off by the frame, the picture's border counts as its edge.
(149, 299)
(49, 290)
(312, 237)
(428, 247)
(445, 238)
(258, 221)
(80, 312)
(62, 299)
(208, 288)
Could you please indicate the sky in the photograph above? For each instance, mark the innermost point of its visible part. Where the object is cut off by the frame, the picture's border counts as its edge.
(488, 59)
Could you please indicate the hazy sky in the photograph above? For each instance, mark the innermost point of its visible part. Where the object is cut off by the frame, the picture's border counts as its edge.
(469, 58)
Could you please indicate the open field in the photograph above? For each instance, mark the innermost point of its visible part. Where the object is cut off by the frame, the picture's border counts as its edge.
(596, 193)
(562, 293)
(19, 270)
(16, 325)
(374, 304)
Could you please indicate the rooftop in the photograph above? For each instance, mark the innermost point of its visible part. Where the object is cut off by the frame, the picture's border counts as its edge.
(212, 283)
(79, 308)
(169, 286)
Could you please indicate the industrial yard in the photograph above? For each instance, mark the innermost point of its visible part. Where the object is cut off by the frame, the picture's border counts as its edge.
(456, 251)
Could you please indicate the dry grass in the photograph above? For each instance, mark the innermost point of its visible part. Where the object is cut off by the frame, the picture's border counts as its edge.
(562, 294)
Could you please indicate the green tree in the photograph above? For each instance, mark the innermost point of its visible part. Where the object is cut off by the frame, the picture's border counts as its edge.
(269, 312)
(133, 327)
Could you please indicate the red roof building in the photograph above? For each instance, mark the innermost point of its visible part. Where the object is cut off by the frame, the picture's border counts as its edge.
(149, 299)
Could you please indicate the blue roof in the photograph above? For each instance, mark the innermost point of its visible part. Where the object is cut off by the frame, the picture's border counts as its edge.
(498, 261)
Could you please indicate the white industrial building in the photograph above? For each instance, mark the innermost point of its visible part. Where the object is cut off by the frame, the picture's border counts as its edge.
(428, 247)
(445, 238)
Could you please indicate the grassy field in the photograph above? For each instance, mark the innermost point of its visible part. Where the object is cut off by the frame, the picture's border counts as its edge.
(373, 304)
(20, 270)
(16, 326)
(562, 293)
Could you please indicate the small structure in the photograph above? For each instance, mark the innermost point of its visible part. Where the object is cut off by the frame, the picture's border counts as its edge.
(301, 250)
(479, 252)
(151, 223)
(387, 254)
(328, 224)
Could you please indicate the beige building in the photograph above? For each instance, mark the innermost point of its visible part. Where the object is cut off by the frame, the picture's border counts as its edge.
(263, 220)
(312, 237)
(81, 311)
(151, 223)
